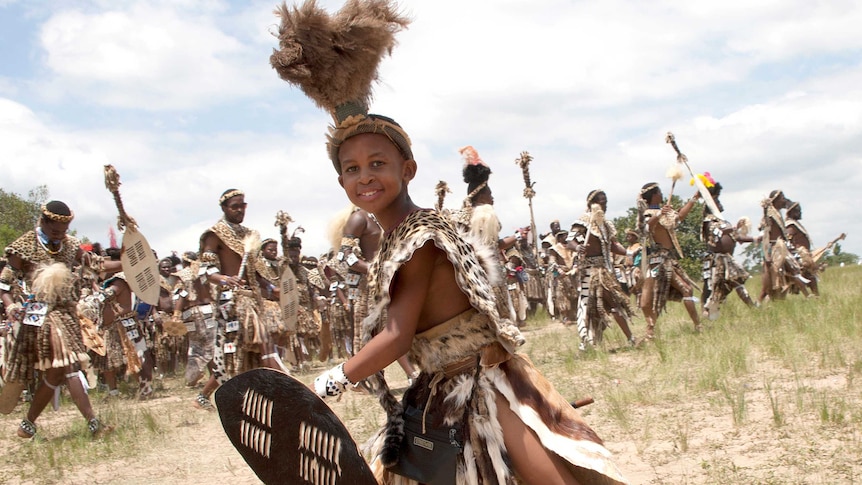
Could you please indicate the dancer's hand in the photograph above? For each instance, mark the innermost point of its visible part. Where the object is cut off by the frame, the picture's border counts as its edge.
(332, 382)
(15, 312)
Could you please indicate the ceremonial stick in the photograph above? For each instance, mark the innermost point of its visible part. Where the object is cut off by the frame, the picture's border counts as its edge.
(282, 219)
(250, 244)
(524, 162)
(582, 402)
(112, 183)
(680, 158)
(440, 191)
(137, 258)
(817, 254)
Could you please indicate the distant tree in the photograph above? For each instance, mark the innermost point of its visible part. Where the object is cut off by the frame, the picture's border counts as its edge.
(838, 256)
(753, 254)
(688, 234)
(19, 215)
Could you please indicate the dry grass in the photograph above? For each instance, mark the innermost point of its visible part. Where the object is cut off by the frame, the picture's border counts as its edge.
(762, 396)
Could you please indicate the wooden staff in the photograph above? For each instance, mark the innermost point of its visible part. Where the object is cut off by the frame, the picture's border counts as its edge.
(137, 258)
(524, 162)
(440, 191)
(112, 183)
(251, 247)
(282, 220)
(680, 158)
(817, 254)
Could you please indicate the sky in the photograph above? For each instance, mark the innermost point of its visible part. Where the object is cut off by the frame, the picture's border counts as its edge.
(180, 97)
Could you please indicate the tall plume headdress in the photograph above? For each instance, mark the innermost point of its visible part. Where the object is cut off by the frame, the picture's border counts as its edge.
(334, 60)
(475, 173)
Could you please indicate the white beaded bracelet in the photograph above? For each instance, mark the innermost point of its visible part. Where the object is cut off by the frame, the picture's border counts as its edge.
(339, 376)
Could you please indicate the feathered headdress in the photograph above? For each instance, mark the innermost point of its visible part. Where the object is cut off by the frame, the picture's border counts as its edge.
(704, 177)
(475, 172)
(334, 60)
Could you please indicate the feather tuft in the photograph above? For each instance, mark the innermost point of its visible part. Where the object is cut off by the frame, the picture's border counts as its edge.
(53, 283)
(334, 58)
(251, 242)
(674, 172)
(743, 227)
(597, 214)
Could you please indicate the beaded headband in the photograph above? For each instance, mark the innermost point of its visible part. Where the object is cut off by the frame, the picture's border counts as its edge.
(229, 195)
(57, 217)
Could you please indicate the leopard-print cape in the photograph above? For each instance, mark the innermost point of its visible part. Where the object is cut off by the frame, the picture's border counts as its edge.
(232, 238)
(268, 270)
(799, 228)
(472, 276)
(28, 248)
(669, 222)
(478, 331)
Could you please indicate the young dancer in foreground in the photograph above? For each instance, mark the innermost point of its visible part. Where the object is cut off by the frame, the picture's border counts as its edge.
(429, 295)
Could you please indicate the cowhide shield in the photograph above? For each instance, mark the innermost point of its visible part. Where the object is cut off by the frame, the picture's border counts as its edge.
(289, 298)
(140, 267)
(286, 433)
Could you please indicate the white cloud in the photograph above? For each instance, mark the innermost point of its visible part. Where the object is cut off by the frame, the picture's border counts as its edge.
(589, 89)
(168, 59)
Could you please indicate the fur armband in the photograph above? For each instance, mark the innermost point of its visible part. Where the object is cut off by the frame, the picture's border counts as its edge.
(350, 244)
(9, 277)
(110, 294)
(209, 260)
(349, 241)
(13, 309)
(97, 263)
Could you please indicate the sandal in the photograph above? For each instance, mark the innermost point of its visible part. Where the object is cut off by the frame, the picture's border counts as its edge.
(27, 429)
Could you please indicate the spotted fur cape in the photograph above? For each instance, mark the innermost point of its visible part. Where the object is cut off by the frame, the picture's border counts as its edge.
(497, 372)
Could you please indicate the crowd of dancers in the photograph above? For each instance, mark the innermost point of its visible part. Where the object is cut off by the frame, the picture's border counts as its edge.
(220, 309)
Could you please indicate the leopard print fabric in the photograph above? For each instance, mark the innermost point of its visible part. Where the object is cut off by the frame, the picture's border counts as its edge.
(478, 331)
(28, 248)
(468, 259)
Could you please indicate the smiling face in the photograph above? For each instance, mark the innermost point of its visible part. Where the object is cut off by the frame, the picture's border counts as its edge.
(374, 174)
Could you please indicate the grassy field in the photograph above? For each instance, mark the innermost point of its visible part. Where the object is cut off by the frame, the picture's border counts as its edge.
(766, 396)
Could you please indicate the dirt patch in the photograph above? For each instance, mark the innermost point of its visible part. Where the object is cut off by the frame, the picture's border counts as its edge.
(790, 431)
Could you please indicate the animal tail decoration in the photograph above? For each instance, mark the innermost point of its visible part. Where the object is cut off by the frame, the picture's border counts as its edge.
(440, 191)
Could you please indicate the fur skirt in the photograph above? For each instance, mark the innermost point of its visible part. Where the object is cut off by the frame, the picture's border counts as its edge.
(447, 395)
(56, 344)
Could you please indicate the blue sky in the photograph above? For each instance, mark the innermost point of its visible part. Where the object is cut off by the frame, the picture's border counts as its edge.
(180, 98)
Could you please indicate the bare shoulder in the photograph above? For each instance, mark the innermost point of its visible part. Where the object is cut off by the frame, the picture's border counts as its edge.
(356, 223)
(439, 297)
(211, 241)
